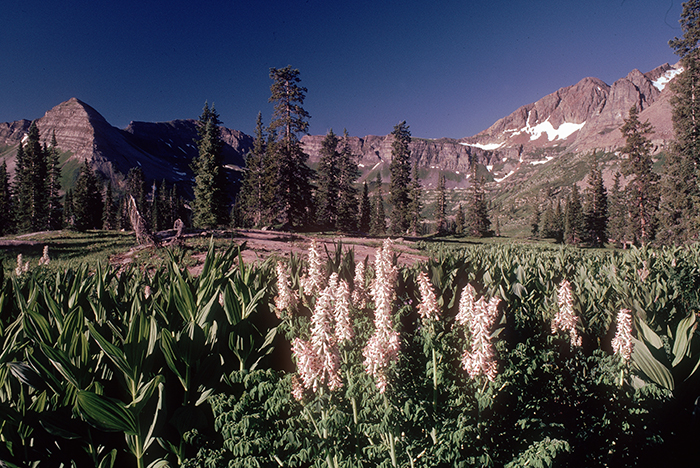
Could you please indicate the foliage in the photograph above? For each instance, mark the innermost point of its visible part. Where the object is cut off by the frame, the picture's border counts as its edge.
(549, 404)
(87, 201)
(86, 355)
(642, 188)
(399, 191)
(211, 205)
(293, 179)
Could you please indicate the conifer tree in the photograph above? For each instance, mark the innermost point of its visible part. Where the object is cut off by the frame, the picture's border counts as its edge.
(619, 213)
(294, 178)
(680, 192)
(642, 187)
(459, 221)
(6, 209)
(53, 186)
(156, 208)
(38, 167)
(22, 191)
(365, 210)
(328, 182)
(535, 230)
(547, 225)
(399, 196)
(68, 217)
(416, 204)
(477, 223)
(252, 200)
(441, 208)
(109, 210)
(596, 211)
(211, 204)
(349, 172)
(574, 219)
(378, 222)
(87, 200)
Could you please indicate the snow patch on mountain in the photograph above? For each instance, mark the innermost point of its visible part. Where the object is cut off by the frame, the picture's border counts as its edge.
(486, 147)
(545, 161)
(560, 133)
(661, 82)
(505, 176)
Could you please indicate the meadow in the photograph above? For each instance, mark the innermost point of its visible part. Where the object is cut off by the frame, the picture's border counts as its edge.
(481, 355)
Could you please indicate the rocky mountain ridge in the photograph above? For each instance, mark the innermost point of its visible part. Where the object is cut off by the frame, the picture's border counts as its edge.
(574, 120)
(163, 150)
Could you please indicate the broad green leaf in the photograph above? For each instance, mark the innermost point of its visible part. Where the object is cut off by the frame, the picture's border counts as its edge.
(648, 334)
(647, 364)
(113, 353)
(106, 413)
(681, 344)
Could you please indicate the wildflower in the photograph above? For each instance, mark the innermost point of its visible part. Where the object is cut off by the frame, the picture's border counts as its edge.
(466, 305)
(565, 320)
(383, 347)
(44, 260)
(622, 343)
(286, 298)
(341, 308)
(643, 272)
(313, 281)
(21, 267)
(318, 360)
(147, 291)
(359, 292)
(428, 307)
(481, 318)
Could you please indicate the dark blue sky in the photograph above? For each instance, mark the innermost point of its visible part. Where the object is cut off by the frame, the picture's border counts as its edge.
(448, 68)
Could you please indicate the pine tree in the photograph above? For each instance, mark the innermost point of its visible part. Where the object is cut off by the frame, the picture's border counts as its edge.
(251, 202)
(68, 216)
(327, 183)
(87, 200)
(547, 224)
(156, 209)
(347, 218)
(619, 212)
(294, 178)
(596, 206)
(22, 191)
(211, 204)
(6, 209)
(535, 230)
(109, 210)
(365, 210)
(53, 187)
(399, 196)
(680, 192)
(642, 187)
(459, 221)
(441, 208)
(416, 205)
(477, 222)
(378, 222)
(38, 166)
(574, 219)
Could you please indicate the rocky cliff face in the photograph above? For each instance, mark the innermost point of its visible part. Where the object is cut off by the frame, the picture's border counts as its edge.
(163, 150)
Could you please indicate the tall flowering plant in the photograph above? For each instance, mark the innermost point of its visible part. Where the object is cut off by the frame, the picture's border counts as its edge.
(383, 347)
(565, 320)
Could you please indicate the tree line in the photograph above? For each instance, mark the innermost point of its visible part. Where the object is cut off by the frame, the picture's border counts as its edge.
(651, 207)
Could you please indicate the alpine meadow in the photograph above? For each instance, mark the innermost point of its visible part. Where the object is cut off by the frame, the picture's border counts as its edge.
(183, 294)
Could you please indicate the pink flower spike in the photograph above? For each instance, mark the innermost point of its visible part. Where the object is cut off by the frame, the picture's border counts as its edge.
(428, 307)
(480, 318)
(622, 343)
(313, 282)
(466, 305)
(359, 291)
(383, 347)
(565, 319)
(341, 310)
(286, 297)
